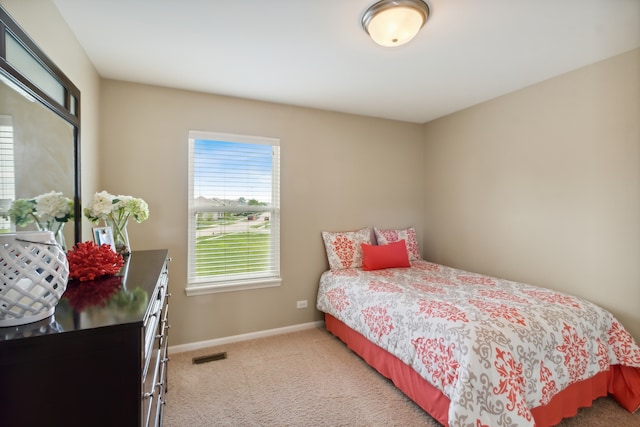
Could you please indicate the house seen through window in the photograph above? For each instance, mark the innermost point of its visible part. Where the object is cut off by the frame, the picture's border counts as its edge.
(234, 212)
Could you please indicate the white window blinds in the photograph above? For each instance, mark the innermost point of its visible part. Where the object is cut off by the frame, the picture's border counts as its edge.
(234, 212)
(7, 171)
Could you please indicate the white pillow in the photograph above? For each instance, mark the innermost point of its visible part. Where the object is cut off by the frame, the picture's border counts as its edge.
(384, 237)
(343, 247)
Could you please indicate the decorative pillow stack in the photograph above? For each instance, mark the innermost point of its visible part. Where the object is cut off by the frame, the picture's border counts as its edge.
(344, 248)
(354, 249)
(384, 237)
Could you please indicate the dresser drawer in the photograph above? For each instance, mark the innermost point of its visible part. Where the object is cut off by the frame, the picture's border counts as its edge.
(151, 389)
(155, 354)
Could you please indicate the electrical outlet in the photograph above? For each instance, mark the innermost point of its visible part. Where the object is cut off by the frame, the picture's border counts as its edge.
(301, 304)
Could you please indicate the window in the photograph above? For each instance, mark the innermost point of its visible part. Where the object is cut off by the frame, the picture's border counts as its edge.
(7, 172)
(234, 212)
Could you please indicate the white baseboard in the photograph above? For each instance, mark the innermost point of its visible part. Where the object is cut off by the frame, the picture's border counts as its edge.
(244, 337)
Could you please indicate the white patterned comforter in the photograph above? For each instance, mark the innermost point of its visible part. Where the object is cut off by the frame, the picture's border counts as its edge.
(495, 348)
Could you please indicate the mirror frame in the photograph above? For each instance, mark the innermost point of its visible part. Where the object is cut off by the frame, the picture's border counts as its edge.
(70, 111)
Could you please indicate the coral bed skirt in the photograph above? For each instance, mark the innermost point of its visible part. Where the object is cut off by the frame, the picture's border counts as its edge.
(622, 382)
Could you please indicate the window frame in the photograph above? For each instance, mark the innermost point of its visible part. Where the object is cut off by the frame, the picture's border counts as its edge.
(228, 283)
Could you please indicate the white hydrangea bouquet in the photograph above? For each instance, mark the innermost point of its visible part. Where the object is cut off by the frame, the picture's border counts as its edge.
(49, 211)
(115, 212)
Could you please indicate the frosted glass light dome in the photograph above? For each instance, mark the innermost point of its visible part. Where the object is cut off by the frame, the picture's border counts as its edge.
(395, 22)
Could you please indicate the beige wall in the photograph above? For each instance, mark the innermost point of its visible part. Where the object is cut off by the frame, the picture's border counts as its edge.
(339, 172)
(543, 186)
(42, 21)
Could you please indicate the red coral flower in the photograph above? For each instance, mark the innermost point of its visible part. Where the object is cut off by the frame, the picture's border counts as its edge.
(88, 261)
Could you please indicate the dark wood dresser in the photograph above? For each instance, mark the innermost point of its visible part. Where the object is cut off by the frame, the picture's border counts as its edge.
(100, 360)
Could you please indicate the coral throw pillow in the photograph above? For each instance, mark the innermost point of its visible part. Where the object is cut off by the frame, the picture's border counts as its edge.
(392, 255)
(343, 247)
(385, 237)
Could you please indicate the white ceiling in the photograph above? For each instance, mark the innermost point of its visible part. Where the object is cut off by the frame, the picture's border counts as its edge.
(314, 53)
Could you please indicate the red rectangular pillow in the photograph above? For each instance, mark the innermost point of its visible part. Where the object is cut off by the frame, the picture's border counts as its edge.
(391, 255)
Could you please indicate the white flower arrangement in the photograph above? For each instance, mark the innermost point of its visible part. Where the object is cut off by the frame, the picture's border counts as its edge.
(50, 211)
(116, 211)
(105, 206)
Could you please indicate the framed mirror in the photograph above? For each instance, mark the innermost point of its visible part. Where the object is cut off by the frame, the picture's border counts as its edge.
(39, 127)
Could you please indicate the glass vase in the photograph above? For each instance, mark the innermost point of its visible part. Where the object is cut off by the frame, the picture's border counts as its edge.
(57, 228)
(120, 236)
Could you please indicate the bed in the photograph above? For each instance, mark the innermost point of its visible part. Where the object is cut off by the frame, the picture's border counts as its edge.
(472, 350)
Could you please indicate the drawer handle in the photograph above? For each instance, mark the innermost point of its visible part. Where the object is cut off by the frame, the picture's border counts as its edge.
(156, 310)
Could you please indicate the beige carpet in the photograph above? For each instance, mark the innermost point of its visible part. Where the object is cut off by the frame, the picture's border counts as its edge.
(307, 378)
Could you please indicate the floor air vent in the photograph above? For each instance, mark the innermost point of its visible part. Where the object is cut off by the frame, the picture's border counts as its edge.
(209, 358)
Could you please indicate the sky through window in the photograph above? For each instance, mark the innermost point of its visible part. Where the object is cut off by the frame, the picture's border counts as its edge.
(230, 170)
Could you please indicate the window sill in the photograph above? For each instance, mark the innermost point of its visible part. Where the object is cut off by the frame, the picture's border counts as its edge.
(214, 288)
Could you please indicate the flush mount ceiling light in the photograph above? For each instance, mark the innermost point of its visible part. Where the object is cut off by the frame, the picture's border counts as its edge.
(395, 22)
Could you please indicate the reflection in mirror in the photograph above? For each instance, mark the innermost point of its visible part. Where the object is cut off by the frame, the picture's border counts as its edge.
(25, 62)
(39, 128)
(36, 151)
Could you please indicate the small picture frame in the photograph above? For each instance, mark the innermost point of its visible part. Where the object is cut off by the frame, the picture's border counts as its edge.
(104, 236)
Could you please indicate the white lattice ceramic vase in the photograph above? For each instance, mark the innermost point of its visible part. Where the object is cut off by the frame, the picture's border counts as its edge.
(33, 276)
